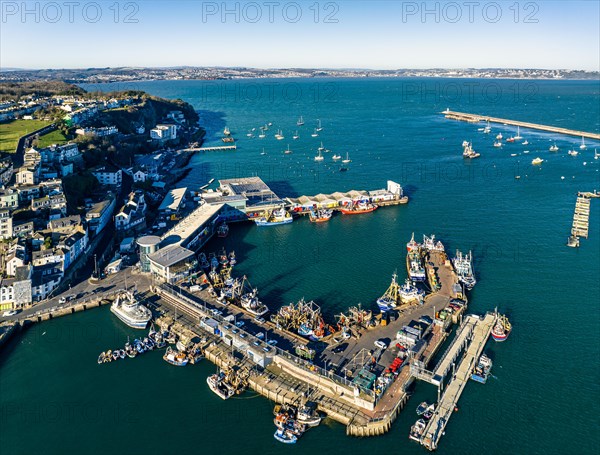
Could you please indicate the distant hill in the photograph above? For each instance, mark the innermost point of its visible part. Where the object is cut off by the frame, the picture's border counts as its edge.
(12, 90)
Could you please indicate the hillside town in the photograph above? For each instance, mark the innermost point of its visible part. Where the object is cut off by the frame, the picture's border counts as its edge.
(63, 204)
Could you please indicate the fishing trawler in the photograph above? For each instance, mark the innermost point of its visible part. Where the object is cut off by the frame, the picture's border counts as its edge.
(250, 302)
(409, 292)
(463, 264)
(389, 299)
(468, 152)
(358, 208)
(223, 230)
(274, 218)
(305, 330)
(217, 384)
(430, 244)
(130, 311)
(414, 262)
(308, 415)
(320, 215)
(481, 371)
(175, 357)
(502, 329)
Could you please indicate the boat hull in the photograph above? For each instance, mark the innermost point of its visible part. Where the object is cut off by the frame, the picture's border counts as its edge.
(273, 223)
(357, 212)
(500, 338)
(141, 325)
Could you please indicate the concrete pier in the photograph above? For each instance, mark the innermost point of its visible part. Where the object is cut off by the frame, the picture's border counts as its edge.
(476, 118)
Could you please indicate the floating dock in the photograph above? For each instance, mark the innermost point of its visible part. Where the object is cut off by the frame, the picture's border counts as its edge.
(476, 118)
(581, 218)
(471, 339)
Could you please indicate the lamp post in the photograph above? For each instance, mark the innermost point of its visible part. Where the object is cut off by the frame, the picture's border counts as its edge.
(95, 267)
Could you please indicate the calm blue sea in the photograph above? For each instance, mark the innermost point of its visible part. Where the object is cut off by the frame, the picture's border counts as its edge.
(546, 376)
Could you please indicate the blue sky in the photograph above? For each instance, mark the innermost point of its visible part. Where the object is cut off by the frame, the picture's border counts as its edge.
(270, 34)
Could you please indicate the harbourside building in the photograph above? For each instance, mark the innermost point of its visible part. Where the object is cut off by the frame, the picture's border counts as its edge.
(172, 263)
(194, 230)
(148, 245)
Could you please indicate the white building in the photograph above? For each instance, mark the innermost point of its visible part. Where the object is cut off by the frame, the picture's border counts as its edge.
(108, 175)
(164, 132)
(6, 228)
(100, 214)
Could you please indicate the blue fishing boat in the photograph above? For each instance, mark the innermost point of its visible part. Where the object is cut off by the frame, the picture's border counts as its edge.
(274, 218)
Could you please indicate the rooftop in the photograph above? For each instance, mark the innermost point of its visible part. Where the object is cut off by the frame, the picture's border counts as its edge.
(191, 223)
(253, 188)
(170, 255)
(148, 240)
(173, 199)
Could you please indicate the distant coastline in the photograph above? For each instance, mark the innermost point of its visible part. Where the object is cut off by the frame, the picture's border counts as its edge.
(133, 75)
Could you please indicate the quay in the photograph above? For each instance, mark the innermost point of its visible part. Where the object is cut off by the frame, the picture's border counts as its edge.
(476, 118)
(279, 375)
(392, 195)
(472, 337)
(581, 218)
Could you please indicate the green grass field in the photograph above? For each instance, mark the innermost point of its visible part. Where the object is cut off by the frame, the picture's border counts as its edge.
(10, 132)
(55, 137)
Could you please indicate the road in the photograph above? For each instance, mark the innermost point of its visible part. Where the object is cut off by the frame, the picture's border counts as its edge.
(89, 288)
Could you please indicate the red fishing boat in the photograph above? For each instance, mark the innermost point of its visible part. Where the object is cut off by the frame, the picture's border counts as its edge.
(361, 207)
(320, 216)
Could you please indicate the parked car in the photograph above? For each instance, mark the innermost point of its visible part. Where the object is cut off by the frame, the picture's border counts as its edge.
(381, 344)
(340, 348)
(239, 324)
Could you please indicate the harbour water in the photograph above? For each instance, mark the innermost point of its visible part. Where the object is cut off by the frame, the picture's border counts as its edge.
(545, 377)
